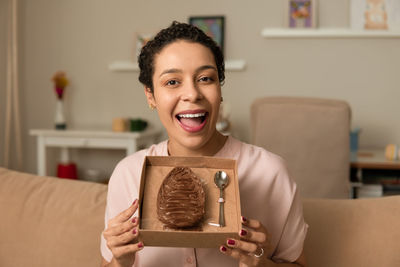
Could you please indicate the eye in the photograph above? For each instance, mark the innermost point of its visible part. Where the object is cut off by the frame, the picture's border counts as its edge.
(172, 83)
(206, 79)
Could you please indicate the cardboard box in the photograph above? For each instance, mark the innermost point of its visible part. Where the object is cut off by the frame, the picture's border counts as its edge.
(152, 231)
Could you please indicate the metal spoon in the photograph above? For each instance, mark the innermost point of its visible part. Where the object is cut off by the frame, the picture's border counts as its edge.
(221, 179)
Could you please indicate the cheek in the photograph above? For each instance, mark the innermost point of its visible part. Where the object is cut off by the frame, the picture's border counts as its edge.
(165, 102)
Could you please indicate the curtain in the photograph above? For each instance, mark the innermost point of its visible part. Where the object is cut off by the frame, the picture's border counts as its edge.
(12, 107)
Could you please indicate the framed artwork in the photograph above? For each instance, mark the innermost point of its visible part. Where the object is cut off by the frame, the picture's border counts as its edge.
(301, 13)
(375, 14)
(213, 26)
(141, 40)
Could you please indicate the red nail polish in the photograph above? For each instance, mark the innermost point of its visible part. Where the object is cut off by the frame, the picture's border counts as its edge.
(140, 245)
(244, 219)
(231, 242)
(223, 248)
(134, 231)
(134, 202)
(243, 232)
(134, 220)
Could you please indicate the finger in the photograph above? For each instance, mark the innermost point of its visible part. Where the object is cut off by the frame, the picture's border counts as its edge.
(119, 229)
(119, 252)
(124, 215)
(240, 256)
(251, 223)
(245, 246)
(123, 239)
(250, 235)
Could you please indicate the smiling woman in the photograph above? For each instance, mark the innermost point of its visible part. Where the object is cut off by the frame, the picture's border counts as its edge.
(182, 70)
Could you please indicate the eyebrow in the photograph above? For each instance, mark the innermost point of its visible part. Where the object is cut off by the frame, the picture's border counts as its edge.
(205, 67)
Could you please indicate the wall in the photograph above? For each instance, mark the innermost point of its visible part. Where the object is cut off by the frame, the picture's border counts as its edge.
(83, 37)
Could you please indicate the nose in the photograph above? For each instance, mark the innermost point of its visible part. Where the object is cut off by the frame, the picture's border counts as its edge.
(191, 92)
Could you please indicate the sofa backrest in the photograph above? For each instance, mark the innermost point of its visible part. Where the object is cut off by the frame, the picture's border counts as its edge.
(353, 233)
(50, 222)
(312, 135)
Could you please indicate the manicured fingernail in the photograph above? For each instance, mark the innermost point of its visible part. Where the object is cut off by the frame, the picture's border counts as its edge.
(243, 232)
(140, 245)
(134, 220)
(244, 219)
(134, 202)
(223, 248)
(231, 242)
(134, 231)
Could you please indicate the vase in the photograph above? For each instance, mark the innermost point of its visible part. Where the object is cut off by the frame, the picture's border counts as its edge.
(60, 122)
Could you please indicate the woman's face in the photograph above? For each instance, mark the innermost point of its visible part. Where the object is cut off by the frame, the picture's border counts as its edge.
(187, 94)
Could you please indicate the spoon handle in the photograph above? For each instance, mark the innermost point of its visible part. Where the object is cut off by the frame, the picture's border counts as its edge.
(221, 208)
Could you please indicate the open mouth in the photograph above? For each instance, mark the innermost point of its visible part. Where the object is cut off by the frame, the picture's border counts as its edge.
(192, 122)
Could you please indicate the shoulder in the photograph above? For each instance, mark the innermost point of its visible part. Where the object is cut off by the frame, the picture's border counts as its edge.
(252, 155)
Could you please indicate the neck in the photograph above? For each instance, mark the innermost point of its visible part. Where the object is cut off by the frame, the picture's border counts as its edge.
(216, 142)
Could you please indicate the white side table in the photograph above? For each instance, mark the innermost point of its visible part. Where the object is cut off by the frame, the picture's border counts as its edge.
(130, 141)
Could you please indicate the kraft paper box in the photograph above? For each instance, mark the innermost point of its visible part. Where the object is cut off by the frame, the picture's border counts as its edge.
(152, 231)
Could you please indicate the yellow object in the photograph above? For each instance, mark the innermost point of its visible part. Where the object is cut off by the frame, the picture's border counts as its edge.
(392, 152)
(119, 125)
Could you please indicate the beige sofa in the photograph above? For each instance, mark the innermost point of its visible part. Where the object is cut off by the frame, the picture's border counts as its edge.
(50, 222)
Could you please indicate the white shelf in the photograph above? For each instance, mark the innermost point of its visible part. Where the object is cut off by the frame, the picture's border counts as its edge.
(327, 33)
(127, 66)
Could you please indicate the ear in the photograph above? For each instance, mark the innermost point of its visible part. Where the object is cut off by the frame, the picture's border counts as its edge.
(149, 96)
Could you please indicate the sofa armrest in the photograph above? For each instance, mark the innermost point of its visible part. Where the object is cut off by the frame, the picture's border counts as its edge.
(358, 232)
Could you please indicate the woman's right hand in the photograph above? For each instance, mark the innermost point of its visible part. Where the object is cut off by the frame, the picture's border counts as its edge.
(121, 237)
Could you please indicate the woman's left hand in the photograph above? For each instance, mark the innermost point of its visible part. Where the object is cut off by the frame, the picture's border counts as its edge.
(253, 247)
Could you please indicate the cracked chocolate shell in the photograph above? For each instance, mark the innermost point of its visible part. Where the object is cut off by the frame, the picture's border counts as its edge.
(181, 199)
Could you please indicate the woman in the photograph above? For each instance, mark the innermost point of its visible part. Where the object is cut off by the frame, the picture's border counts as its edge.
(182, 71)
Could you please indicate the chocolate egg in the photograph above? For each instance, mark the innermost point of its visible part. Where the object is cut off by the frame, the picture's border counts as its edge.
(181, 199)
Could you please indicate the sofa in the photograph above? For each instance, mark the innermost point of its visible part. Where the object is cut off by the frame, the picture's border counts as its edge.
(51, 222)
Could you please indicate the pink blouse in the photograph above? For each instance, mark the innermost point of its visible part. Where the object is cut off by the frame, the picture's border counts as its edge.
(266, 194)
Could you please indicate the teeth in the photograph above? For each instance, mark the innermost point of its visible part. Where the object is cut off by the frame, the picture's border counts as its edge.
(191, 115)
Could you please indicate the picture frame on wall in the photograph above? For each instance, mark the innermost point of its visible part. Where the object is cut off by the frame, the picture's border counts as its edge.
(213, 26)
(375, 14)
(301, 14)
(141, 40)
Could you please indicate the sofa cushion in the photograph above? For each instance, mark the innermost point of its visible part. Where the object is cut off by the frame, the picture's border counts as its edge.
(47, 221)
(349, 233)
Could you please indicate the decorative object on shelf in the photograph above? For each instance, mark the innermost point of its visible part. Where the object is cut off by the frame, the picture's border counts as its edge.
(223, 124)
(119, 125)
(213, 26)
(141, 40)
(392, 152)
(375, 14)
(301, 14)
(65, 168)
(354, 141)
(60, 83)
(138, 125)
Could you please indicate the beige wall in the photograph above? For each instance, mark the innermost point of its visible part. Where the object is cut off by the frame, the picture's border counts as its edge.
(83, 37)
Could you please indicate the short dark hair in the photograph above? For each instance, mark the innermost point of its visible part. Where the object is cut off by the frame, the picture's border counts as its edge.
(177, 31)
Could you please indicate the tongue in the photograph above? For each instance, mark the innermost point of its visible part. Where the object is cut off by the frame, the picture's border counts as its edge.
(191, 122)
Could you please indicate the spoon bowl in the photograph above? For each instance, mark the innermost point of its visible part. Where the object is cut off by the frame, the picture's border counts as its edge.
(221, 179)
